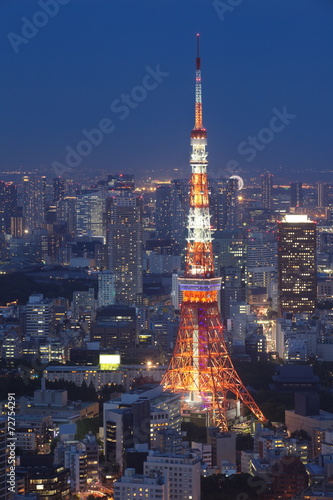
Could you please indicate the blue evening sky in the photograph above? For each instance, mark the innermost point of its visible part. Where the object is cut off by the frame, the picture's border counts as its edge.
(264, 55)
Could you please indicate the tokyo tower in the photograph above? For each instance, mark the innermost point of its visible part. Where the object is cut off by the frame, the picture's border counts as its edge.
(200, 367)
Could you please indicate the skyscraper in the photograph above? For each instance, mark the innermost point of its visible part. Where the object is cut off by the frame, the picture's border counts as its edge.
(40, 319)
(58, 189)
(179, 210)
(8, 205)
(90, 207)
(34, 191)
(163, 212)
(266, 190)
(106, 289)
(124, 240)
(228, 205)
(296, 194)
(297, 264)
(322, 195)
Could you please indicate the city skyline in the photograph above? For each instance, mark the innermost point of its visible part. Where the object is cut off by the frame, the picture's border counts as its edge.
(57, 86)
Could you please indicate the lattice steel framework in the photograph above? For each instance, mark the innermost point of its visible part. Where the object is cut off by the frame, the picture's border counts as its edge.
(200, 367)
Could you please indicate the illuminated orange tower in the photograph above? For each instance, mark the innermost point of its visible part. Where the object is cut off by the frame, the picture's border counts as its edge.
(200, 367)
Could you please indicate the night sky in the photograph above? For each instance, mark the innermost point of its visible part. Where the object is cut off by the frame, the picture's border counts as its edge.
(263, 55)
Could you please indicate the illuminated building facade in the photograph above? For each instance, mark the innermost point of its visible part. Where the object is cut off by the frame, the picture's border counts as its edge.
(163, 211)
(296, 194)
(297, 274)
(200, 368)
(124, 240)
(34, 193)
(266, 190)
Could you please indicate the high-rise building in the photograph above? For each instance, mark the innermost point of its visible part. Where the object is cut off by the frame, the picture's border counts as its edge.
(8, 205)
(34, 193)
(115, 327)
(228, 208)
(40, 317)
(322, 195)
(83, 305)
(297, 277)
(106, 288)
(124, 240)
(58, 189)
(131, 485)
(183, 472)
(266, 190)
(261, 258)
(296, 194)
(179, 210)
(90, 207)
(163, 212)
(289, 479)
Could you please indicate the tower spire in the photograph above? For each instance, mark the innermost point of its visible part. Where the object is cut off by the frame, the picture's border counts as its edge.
(198, 93)
(201, 368)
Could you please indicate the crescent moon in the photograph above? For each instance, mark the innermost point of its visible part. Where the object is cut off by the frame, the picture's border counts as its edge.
(240, 181)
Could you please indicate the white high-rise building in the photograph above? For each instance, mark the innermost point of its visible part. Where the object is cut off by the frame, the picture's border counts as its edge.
(182, 471)
(106, 289)
(131, 485)
(40, 317)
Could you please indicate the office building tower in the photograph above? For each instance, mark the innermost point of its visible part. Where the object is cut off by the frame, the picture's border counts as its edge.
(40, 317)
(125, 427)
(322, 195)
(66, 213)
(83, 305)
(163, 212)
(182, 471)
(115, 328)
(179, 210)
(131, 485)
(47, 481)
(58, 189)
(297, 277)
(261, 258)
(296, 194)
(34, 194)
(92, 450)
(106, 288)
(124, 240)
(266, 190)
(75, 459)
(16, 223)
(8, 205)
(289, 482)
(90, 207)
(228, 208)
